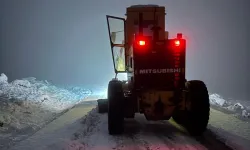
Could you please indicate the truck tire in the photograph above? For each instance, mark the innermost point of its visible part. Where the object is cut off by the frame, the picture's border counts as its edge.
(195, 118)
(115, 107)
(198, 114)
(102, 105)
(179, 116)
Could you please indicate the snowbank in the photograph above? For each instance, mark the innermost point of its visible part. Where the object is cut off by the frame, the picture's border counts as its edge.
(216, 99)
(28, 104)
(230, 130)
(233, 106)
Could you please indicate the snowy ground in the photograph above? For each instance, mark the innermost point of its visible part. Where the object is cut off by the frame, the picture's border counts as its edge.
(27, 105)
(232, 131)
(91, 133)
(240, 108)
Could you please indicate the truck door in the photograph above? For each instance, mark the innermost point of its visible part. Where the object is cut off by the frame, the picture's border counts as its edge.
(116, 28)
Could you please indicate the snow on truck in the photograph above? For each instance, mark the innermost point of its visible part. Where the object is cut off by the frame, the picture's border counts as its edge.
(155, 67)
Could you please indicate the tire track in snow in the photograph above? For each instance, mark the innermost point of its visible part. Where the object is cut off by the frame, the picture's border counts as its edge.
(150, 137)
(139, 134)
(132, 141)
(94, 135)
(158, 135)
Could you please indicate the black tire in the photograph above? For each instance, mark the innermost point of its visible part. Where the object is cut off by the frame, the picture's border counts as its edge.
(115, 108)
(195, 119)
(179, 116)
(102, 105)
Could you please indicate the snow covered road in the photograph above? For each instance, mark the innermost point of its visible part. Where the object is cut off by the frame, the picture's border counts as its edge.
(141, 134)
(37, 115)
(72, 132)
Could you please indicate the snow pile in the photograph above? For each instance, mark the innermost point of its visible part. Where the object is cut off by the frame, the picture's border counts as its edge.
(216, 99)
(239, 109)
(33, 91)
(232, 106)
(3, 79)
(28, 104)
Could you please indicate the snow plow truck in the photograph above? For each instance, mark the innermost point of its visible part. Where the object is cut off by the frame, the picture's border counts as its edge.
(155, 65)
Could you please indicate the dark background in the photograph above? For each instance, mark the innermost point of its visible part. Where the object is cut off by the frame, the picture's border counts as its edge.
(66, 41)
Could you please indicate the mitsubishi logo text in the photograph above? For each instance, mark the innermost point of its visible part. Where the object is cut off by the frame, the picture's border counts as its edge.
(149, 71)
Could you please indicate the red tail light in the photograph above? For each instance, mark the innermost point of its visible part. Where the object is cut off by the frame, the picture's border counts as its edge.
(141, 43)
(177, 43)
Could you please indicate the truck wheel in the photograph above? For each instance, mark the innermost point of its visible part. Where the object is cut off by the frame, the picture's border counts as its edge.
(179, 116)
(199, 107)
(102, 105)
(115, 107)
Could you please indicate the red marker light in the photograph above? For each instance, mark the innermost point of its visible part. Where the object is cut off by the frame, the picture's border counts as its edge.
(141, 43)
(177, 43)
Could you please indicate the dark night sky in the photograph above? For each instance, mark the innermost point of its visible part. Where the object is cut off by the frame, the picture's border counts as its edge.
(66, 41)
